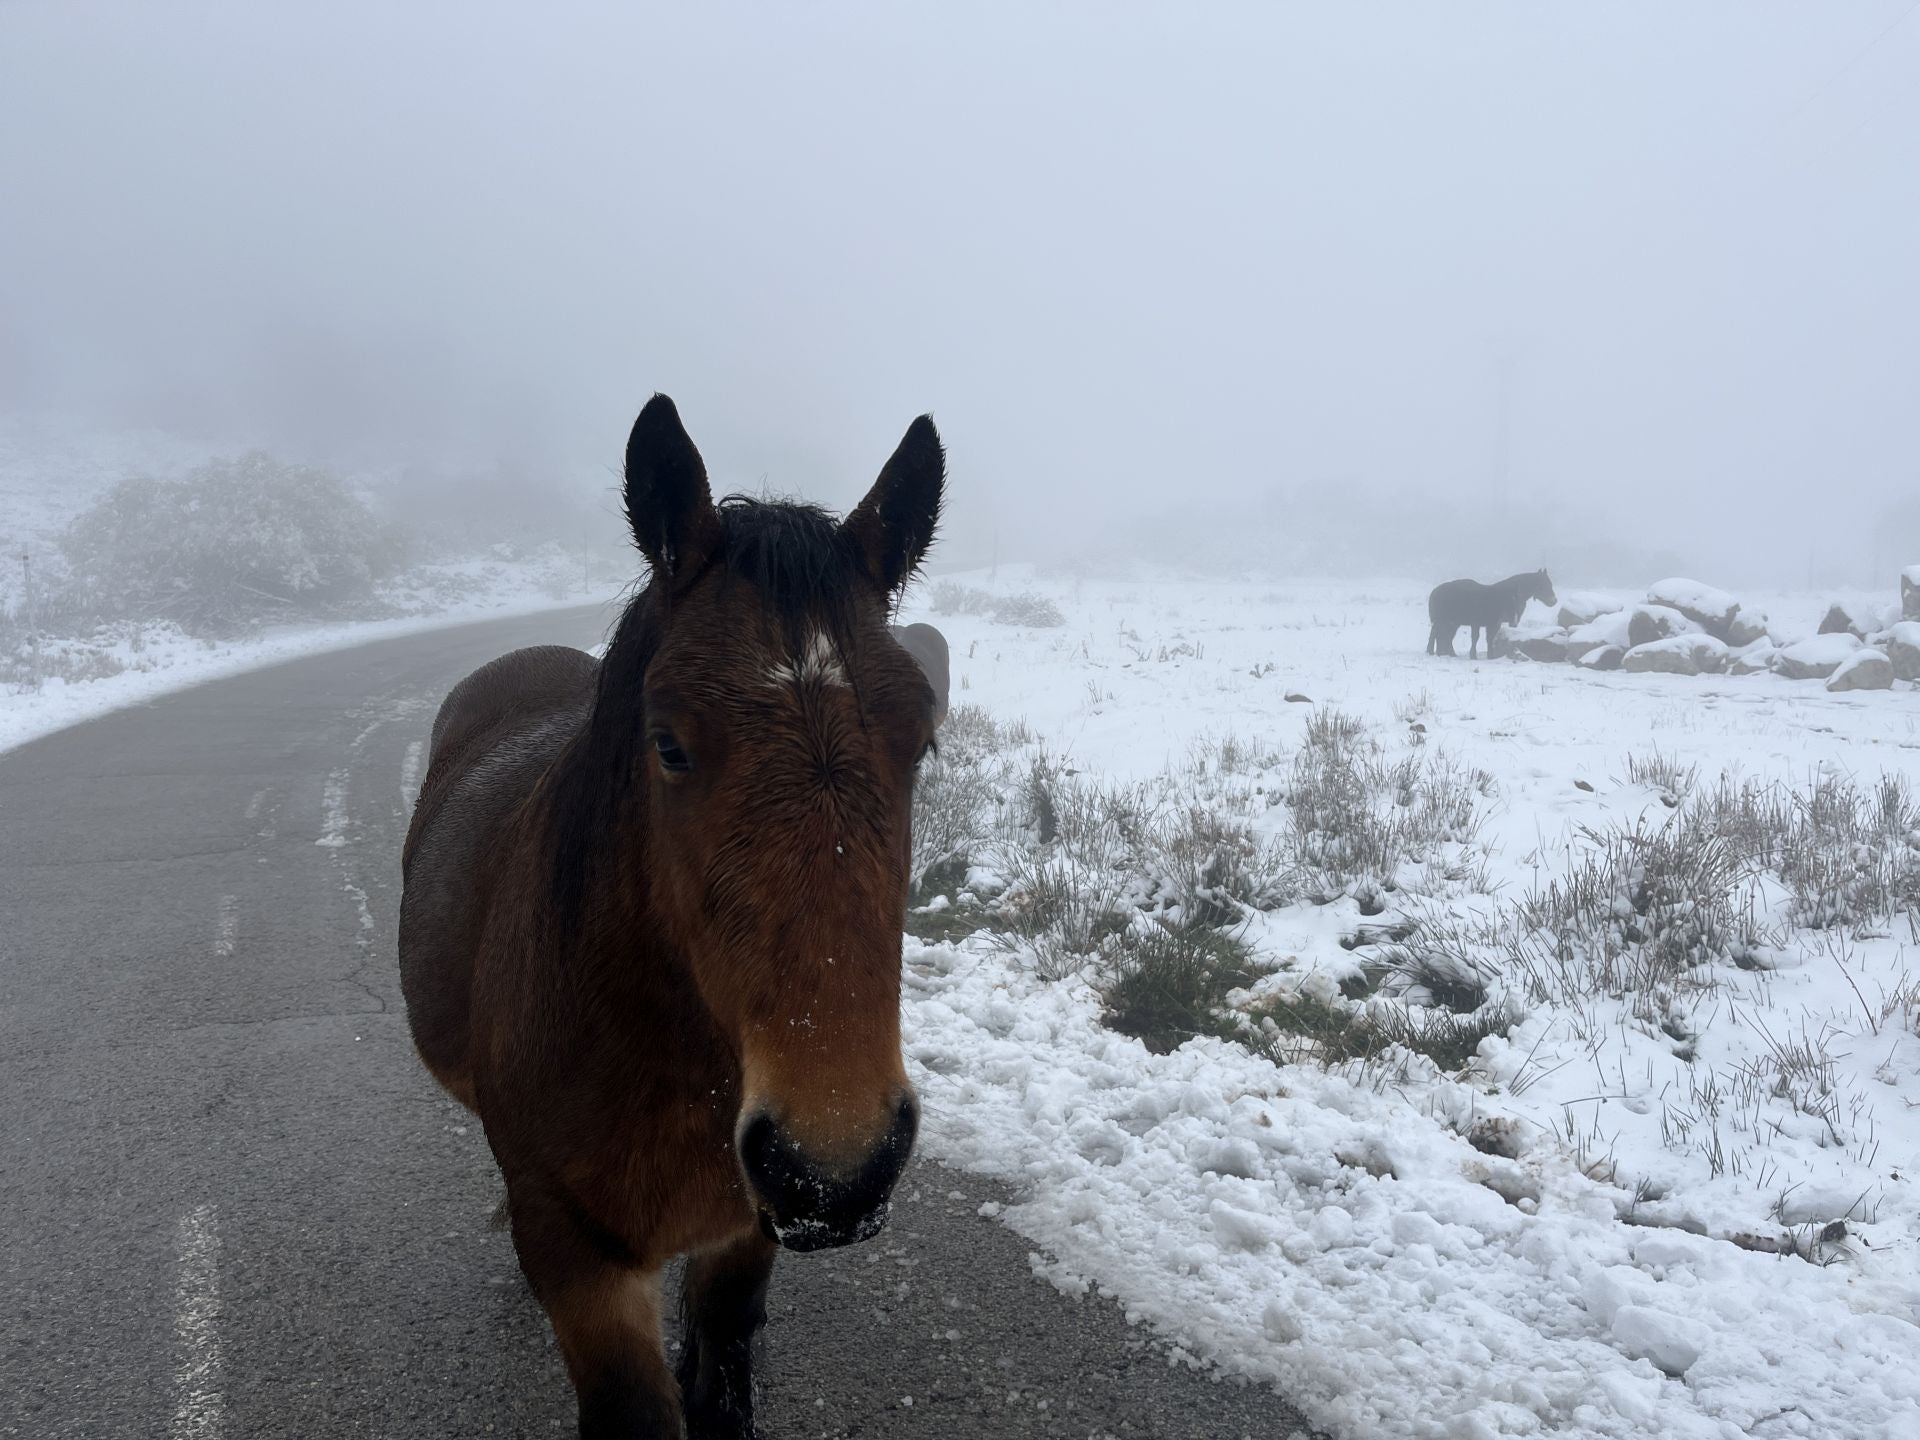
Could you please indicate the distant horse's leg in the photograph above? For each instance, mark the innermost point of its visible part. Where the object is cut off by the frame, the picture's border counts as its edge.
(1447, 636)
(1433, 640)
(605, 1315)
(724, 1306)
(1473, 644)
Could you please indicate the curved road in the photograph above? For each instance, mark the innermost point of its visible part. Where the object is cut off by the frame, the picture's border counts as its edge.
(233, 1205)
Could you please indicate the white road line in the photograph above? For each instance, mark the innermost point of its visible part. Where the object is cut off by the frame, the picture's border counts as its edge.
(333, 808)
(253, 805)
(410, 774)
(199, 1408)
(227, 927)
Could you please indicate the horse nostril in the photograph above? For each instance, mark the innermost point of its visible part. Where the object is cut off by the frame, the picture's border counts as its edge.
(762, 1153)
(906, 1121)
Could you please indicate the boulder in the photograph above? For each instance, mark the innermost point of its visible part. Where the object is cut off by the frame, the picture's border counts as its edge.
(1865, 669)
(1582, 607)
(1903, 650)
(1817, 658)
(1602, 657)
(1649, 623)
(1550, 648)
(1753, 659)
(1910, 593)
(1747, 627)
(1678, 655)
(1854, 617)
(1712, 610)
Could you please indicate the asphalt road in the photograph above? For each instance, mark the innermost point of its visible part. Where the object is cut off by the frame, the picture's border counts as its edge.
(233, 1205)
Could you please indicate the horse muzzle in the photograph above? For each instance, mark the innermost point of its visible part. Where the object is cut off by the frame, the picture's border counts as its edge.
(808, 1206)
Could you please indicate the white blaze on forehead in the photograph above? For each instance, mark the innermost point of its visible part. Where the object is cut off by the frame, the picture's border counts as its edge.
(819, 664)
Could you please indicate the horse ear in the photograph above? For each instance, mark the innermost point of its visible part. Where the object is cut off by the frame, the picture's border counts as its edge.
(893, 527)
(669, 505)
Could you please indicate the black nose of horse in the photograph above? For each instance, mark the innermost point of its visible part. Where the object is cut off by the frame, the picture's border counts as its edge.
(807, 1206)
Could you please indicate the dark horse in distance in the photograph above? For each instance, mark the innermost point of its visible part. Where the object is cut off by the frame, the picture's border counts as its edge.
(651, 925)
(1484, 607)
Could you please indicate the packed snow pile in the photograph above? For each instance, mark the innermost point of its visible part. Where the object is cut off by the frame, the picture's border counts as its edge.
(1467, 1054)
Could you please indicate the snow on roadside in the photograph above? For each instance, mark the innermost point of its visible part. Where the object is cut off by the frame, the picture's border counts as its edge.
(171, 661)
(1356, 1252)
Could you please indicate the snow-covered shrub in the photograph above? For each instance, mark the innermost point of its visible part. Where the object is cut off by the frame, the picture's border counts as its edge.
(229, 545)
(950, 597)
(1034, 611)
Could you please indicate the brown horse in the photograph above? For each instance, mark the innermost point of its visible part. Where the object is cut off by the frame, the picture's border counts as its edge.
(650, 931)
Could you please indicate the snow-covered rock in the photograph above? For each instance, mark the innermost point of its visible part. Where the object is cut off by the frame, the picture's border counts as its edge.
(1712, 610)
(1582, 607)
(1678, 655)
(1857, 618)
(1865, 669)
(1610, 629)
(1550, 647)
(1817, 658)
(1910, 593)
(1753, 659)
(1746, 627)
(1601, 657)
(1657, 622)
(1903, 649)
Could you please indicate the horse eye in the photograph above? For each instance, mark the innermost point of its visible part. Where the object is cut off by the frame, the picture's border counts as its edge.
(673, 759)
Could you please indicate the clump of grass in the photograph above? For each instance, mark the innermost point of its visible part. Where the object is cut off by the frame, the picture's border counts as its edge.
(1663, 773)
(1358, 818)
(1166, 984)
(1649, 910)
(1316, 1025)
(1848, 855)
(960, 799)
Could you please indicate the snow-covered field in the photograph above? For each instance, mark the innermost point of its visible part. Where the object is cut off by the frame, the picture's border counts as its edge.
(1683, 1207)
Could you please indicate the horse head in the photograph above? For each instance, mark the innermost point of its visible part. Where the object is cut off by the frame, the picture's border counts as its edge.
(781, 727)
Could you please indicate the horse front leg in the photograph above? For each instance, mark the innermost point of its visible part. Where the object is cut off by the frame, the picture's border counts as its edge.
(1473, 644)
(606, 1316)
(724, 1306)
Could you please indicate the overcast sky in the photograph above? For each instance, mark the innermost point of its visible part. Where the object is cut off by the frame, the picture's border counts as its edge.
(1130, 256)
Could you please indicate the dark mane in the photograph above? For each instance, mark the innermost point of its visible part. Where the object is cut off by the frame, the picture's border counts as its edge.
(802, 573)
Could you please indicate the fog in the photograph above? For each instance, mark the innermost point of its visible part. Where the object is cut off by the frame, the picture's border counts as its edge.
(1567, 277)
